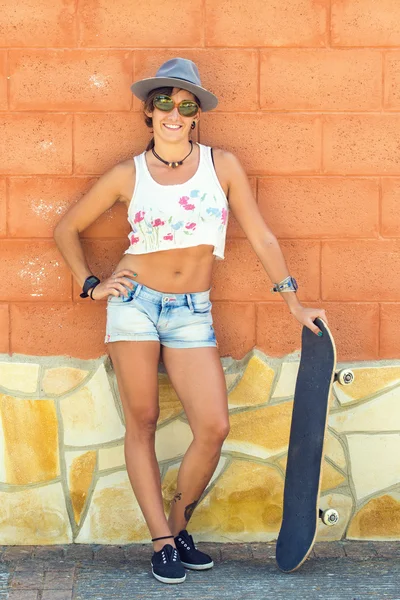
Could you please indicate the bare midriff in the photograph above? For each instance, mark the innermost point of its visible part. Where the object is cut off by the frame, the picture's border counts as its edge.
(179, 271)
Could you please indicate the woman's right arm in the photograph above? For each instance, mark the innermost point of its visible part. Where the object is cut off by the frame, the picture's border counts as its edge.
(102, 195)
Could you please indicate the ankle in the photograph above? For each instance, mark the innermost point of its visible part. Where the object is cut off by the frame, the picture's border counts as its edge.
(158, 544)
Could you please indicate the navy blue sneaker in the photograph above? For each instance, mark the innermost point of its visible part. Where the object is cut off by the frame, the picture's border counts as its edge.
(167, 566)
(191, 557)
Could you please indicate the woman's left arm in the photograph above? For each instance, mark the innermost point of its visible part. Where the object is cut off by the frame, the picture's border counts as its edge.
(265, 244)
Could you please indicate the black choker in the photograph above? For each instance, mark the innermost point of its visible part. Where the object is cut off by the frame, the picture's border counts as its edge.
(173, 165)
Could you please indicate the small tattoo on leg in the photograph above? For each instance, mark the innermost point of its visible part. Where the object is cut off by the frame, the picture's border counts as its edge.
(189, 509)
(178, 496)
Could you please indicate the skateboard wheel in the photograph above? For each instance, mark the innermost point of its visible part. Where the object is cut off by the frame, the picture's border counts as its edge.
(329, 517)
(345, 377)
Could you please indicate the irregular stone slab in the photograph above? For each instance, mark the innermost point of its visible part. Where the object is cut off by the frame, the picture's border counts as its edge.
(61, 380)
(34, 516)
(334, 450)
(343, 504)
(89, 415)
(170, 405)
(244, 505)
(111, 457)
(379, 414)
(114, 516)
(263, 432)
(80, 469)
(173, 440)
(255, 385)
(367, 382)
(231, 380)
(379, 519)
(287, 380)
(20, 377)
(375, 462)
(28, 440)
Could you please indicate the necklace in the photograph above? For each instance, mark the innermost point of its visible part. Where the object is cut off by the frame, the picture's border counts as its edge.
(175, 164)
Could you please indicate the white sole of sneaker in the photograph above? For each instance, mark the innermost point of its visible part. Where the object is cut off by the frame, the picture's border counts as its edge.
(198, 567)
(167, 580)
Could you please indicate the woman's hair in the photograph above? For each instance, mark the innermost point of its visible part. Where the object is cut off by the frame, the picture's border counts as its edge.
(149, 106)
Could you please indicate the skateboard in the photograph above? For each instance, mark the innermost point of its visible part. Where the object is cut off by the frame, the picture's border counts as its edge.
(305, 455)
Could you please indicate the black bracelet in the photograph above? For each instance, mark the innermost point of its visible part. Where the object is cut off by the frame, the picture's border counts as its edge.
(91, 290)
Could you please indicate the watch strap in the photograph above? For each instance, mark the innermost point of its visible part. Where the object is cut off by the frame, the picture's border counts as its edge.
(89, 282)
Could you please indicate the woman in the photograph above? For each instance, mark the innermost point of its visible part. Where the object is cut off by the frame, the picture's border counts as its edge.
(176, 193)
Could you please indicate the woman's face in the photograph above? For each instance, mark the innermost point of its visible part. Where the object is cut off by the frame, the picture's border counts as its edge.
(172, 126)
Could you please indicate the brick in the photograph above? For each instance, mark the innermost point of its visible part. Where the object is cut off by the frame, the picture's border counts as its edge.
(17, 553)
(110, 554)
(362, 144)
(3, 79)
(102, 257)
(63, 329)
(48, 552)
(390, 220)
(78, 552)
(101, 143)
(57, 595)
(387, 549)
(263, 551)
(3, 208)
(267, 143)
(319, 207)
(116, 24)
(389, 331)
(27, 579)
(343, 280)
(329, 550)
(235, 327)
(37, 204)
(234, 230)
(360, 550)
(304, 79)
(392, 81)
(4, 329)
(33, 270)
(59, 580)
(266, 23)
(355, 328)
(36, 143)
(242, 277)
(37, 23)
(365, 23)
(70, 80)
(23, 595)
(221, 71)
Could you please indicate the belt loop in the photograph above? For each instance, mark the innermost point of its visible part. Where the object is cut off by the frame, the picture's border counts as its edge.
(137, 290)
(190, 303)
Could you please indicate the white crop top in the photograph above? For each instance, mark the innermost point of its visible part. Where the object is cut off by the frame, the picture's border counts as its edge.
(179, 215)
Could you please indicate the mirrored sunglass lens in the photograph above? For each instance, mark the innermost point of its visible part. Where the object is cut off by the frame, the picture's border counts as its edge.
(163, 103)
(188, 109)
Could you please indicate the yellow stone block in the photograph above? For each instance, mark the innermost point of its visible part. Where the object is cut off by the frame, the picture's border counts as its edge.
(21, 377)
(111, 457)
(114, 516)
(263, 432)
(89, 415)
(334, 450)
(287, 380)
(368, 381)
(81, 470)
(379, 519)
(29, 440)
(255, 385)
(244, 505)
(60, 380)
(34, 516)
(170, 405)
(331, 478)
(173, 440)
(378, 414)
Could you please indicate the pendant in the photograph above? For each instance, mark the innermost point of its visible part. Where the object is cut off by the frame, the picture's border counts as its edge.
(173, 165)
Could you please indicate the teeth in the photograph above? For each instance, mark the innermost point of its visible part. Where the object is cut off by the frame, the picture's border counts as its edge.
(172, 126)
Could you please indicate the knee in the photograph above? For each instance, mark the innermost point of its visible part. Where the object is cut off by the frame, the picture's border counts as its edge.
(214, 433)
(142, 423)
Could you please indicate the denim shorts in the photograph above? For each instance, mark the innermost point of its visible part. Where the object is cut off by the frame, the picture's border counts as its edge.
(174, 320)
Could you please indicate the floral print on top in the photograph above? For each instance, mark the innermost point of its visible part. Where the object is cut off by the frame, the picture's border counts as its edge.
(179, 220)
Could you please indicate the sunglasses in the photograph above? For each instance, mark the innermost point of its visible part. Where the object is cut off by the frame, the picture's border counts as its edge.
(186, 108)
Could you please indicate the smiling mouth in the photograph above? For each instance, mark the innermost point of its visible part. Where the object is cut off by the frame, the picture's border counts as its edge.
(172, 127)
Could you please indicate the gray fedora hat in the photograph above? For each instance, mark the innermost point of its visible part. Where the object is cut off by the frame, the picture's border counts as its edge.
(181, 73)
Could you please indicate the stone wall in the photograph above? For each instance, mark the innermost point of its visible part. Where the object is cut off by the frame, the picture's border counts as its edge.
(62, 468)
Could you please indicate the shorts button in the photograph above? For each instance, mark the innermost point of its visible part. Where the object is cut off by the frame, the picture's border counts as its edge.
(166, 299)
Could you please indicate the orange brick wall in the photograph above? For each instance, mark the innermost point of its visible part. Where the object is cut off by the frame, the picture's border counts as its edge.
(310, 102)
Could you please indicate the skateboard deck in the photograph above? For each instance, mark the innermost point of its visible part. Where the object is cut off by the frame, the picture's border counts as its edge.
(305, 455)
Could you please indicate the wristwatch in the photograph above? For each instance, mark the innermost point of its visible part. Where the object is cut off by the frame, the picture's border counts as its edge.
(287, 285)
(90, 282)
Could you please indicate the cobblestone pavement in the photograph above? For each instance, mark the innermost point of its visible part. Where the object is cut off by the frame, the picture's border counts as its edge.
(334, 571)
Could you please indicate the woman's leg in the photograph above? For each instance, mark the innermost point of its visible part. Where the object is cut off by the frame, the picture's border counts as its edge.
(136, 368)
(198, 378)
